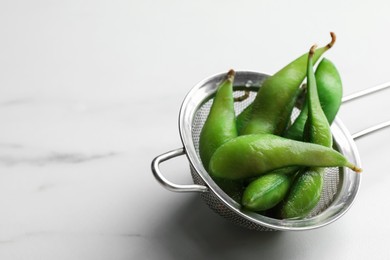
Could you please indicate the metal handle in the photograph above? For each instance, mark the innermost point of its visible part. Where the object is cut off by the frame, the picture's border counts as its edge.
(166, 183)
(365, 92)
(370, 130)
(362, 94)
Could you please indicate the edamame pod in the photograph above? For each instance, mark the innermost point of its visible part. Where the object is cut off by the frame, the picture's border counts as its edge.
(233, 188)
(306, 189)
(269, 189)
(266, 191)
(318, 125)
(270, 114)
(253, 155)
(330, 92)
(304, 194)
(330, 89)
(220, 125)
(244, 117)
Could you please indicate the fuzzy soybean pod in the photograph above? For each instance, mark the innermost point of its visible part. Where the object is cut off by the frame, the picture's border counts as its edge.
(245, 115)
(306, 189)
(243, 118)
(253, 155)
(271, 110)
(220, 125)
(330, 91)
(268, 190)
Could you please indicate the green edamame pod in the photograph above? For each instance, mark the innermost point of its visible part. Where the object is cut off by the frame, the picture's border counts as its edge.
(269, 189)
(220, 125)
(266, 191)
(296, 130)
(304, 194)
(319, 128)
(244, 117)
(330, 93)
(253, 155)
(306, 189)
(330, 89)
(233, 188)
(270, 114)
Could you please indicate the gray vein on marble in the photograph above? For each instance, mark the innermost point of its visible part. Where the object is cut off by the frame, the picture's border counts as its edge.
(10, 145)
(16, 101)
(45, 187)
(62, 234)
(53, 158)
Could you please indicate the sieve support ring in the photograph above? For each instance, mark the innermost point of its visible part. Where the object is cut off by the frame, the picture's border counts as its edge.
(168, 184)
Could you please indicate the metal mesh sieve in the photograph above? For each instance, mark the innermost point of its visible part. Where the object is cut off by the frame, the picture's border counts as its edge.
(340, 184)
(331, 176)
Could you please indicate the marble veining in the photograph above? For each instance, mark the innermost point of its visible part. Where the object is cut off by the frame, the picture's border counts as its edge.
(52, 157)
(66, 233)
(10, 145)
(16, 102)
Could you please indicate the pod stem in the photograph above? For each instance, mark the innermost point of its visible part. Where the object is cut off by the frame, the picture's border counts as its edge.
(230, 75)
(357, 169)
(354, 168)
(242, 97)
(312, 50)
(330, 45)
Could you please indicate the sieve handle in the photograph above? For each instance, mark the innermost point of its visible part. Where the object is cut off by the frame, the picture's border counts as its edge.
(168, 184)
(363, 93)
(370, 130)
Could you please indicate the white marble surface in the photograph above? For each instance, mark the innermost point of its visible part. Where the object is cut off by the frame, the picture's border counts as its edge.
(90, 93)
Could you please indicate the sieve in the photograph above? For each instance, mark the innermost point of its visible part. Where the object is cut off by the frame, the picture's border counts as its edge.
(340, 183)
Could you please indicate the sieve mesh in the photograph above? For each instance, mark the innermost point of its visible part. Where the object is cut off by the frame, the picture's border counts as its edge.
(332, 176)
